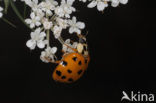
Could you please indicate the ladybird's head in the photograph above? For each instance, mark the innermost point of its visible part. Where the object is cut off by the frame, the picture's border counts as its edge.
(82, 46)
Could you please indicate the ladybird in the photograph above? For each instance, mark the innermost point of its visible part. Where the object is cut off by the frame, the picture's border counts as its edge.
(72, 65)
(71, 68)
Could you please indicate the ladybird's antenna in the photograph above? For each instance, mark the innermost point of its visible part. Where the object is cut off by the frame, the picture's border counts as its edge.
(86, 33)
(61, 40)
(83, 36)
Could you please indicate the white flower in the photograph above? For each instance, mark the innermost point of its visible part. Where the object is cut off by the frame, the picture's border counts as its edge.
(57, 31)
(62, 22)
(67, 49)
(47, 24)
(65, 9)
(47, 7)
(123, 1)
(115, 3)
(83, 0)
(49, 53)
(59, 11)
(1, 14)
(32, 3)
(35, 7)
(53, 2)
(37, 38)
(34, 21)
(101, 5)
(75, 26)
(40, 13)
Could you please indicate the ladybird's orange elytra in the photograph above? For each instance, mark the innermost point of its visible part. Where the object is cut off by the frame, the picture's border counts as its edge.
(71, 68)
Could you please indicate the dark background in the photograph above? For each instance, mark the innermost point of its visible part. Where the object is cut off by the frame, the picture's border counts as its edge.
(122, 47)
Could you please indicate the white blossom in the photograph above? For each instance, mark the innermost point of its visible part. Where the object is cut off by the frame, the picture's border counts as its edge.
(47, 7)
(75, 26)
(47, 24)
(101, 5)
(33, 4)
(37, 39)
(62, 22)
(66, 49)
(65, 9)
(83, 0)
(115, 3)
(34, 21)
(57, 31)
(59, 11)
(49, 53)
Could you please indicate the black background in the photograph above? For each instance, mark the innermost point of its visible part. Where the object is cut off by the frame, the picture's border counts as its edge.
(122, 48)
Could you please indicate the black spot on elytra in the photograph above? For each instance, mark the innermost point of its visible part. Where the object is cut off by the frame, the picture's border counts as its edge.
(69, 71)
(64, 63)
(79, 72)
(80, 63)
(74, 58)
(58, 73)
(63, 77)
(70, 79)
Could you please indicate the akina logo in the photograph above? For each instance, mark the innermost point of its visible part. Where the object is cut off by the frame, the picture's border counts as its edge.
(137, 97)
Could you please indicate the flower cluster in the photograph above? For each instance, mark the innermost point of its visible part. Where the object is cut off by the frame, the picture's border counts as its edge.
(50, 17)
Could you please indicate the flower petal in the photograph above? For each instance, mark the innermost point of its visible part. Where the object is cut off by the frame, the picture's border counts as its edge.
(100, 6)
(123, 1)
(92, 4)
(53, 50)
(40, 44)
(31, 44)
(80, 25)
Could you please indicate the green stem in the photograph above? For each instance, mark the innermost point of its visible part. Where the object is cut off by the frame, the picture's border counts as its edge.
(53, 17)
(25, 8)
(8, 22)
(17, 12)
(48, 37)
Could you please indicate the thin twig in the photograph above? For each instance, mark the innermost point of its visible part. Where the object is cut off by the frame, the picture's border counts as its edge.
(8, 22)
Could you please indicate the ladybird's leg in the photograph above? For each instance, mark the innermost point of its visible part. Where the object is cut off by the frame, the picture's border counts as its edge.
(61, 40)
(63, 43)
(49, 60)
(75, 50)
(80, 35)
(63, 51)
(56, 62)
(72, 41)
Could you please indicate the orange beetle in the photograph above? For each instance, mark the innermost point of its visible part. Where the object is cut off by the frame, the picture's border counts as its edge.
(72, 65)
(71, 68)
